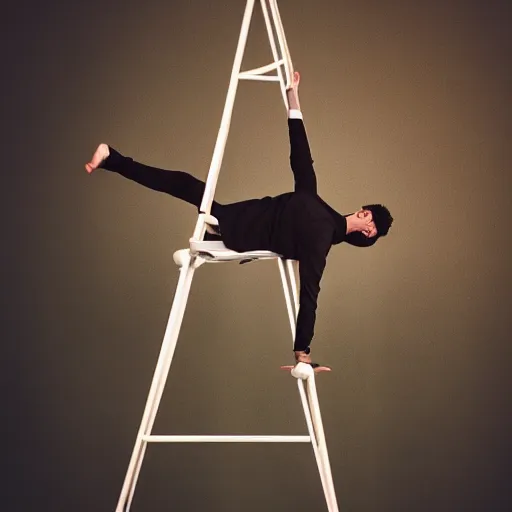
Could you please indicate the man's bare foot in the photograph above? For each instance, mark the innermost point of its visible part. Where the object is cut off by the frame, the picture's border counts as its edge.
(101, 153)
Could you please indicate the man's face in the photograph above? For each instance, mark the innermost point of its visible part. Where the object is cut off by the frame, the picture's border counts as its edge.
(368, 228)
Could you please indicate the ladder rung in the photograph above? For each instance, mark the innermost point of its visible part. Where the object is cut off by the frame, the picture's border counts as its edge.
(226, 439)
(263, 69)
(261, 78)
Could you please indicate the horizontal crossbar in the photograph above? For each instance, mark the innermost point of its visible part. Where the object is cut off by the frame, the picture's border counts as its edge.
(260, 78)
(259, 73)
(226, 439)
(263, 69)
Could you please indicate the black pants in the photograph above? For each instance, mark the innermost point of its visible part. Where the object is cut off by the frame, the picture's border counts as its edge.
(176, 183)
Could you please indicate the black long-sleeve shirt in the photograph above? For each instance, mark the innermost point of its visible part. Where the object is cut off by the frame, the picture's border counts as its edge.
(298, 225)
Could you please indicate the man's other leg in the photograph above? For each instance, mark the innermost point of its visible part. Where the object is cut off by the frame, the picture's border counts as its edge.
(179, 184)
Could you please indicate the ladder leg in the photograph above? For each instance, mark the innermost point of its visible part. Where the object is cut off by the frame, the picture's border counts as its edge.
(309, 401)
(220, 144)
(314, 442)
(323, 456)
(157, 385)
(282, 41)
(292, 270)
(284, 81)
(291, 303)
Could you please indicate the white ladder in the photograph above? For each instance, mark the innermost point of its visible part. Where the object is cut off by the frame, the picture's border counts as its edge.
(201, 252)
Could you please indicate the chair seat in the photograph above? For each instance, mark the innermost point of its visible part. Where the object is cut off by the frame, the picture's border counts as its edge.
(217, 251)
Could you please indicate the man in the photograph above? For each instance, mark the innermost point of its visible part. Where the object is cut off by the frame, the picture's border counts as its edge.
(298, 225)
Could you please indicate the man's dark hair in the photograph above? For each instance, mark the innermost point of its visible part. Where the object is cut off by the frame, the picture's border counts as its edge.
(381, 217)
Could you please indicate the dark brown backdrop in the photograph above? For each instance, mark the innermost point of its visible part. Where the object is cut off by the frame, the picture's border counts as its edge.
(406, 103)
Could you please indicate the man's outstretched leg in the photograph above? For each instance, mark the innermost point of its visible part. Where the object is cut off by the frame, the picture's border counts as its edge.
(176, 183)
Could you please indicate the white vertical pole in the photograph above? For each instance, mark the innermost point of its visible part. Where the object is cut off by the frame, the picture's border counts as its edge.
(282, 41)
(324, 465)
(314, 441)
(157, 385)
(292, 267)
(283, 81)
(290, 306)
(310, 402)
(220, 145)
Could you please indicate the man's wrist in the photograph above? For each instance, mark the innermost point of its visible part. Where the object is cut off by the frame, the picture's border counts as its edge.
(294, 113)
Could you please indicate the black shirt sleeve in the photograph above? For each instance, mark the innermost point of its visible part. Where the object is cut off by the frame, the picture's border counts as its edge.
(311, 267)
(301, 161)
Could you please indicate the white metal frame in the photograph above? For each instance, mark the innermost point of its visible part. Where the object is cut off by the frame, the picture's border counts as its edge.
(201, 252)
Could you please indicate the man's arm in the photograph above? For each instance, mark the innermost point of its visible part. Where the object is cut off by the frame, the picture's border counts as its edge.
(312, 261)
(300, 155)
